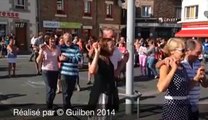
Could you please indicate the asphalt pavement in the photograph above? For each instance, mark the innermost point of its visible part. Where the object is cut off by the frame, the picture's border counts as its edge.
(27, 90)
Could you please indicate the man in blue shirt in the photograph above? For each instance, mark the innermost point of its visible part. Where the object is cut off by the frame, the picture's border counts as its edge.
(70, 57)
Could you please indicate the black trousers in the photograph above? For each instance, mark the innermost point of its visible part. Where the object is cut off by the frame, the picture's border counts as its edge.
(194, 115)
(50, 78)
(68, 85)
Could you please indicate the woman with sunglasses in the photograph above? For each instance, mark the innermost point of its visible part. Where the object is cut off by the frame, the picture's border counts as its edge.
(48, 55)
(173, 81)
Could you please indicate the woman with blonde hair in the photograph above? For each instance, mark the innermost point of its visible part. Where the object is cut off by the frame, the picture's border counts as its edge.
(173, 81)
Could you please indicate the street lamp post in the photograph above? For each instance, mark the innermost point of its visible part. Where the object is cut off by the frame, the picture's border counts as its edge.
(130, 48)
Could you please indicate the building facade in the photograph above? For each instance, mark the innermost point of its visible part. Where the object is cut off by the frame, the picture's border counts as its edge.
(80, 17)
(156, 18)
(19, 18)
(194, 19)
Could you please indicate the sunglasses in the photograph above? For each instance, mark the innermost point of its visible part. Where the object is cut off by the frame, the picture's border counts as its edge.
(53, 41)
(181, 49)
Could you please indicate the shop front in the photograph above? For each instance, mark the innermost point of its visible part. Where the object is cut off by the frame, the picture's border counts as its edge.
(3, 29)
(5, 22)
(11, 23)
(160, 27)
(86, 32)
(61, 27)
(193, 29)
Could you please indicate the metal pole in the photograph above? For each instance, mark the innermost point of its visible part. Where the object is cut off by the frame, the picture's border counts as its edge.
(38, 15)
(130, 48)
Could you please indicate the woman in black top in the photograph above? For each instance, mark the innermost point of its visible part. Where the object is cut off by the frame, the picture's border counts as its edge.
(103, 71)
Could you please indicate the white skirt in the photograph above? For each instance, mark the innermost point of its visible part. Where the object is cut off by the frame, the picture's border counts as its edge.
(11, 60)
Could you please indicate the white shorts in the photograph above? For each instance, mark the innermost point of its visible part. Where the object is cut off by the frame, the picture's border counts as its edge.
(11, 60)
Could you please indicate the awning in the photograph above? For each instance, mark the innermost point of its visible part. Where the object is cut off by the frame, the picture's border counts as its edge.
(192, 33)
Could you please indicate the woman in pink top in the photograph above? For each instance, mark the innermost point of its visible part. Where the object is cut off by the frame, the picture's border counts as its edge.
(48, 55)
(143, 57)
(122, 47)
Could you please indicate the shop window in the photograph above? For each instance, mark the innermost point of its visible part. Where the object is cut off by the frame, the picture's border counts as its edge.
(109, 10)
(2, 30)
(191, 12)
(178, 12)
(87, 7)
(19, 4)
(60, 6)
(146, 11)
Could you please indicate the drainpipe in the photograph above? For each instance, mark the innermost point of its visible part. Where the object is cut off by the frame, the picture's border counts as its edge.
(38, 15)
(96, 19)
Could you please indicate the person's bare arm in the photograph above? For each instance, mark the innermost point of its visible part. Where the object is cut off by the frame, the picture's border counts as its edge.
(94, 65)
(166, 75)
(159, 64)
(86, 46)
(199, 78)
(40, 57)
(9, 48)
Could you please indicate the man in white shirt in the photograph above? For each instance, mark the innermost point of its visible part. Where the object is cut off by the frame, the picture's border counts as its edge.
(32, 42)
(118, 61)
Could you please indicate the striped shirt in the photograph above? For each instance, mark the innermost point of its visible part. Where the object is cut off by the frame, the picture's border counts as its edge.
(70, 67)
(194, 93)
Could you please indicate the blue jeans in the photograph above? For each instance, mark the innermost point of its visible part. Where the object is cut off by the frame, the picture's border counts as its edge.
(151, 66)
(50, 78)
(68, 85)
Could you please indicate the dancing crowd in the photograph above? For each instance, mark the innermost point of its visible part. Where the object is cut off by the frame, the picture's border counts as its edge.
(176, 63)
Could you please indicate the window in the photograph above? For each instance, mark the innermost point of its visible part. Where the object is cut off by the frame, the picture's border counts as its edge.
(178, 12)
(20, 4)
(191, 12)
(60, 6)
(109, 10)
(87, 8)
(146, 11)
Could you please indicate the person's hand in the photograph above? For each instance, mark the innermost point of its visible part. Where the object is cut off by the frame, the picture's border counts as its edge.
(96, 48)
(42, 46)
(17, 49)
(63, 58)
(200, 74)
(35, 49)
(167, 61)
(173, 63)
(126, 56)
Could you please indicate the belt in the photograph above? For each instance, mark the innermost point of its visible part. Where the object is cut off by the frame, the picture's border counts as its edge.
(176, 97)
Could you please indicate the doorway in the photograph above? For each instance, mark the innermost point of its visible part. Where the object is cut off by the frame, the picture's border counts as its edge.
(21, 35)
(145, 32)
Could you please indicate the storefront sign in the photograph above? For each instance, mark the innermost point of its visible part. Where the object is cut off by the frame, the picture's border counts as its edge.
(56, 24)
(168, 20)
(9, 14)
(51, 24)
(70, 25)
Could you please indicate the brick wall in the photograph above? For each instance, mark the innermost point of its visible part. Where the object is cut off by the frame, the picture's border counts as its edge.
(165, 8)
(74, 12)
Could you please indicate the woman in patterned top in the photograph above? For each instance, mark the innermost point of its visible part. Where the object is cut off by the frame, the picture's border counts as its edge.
(173, 80)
